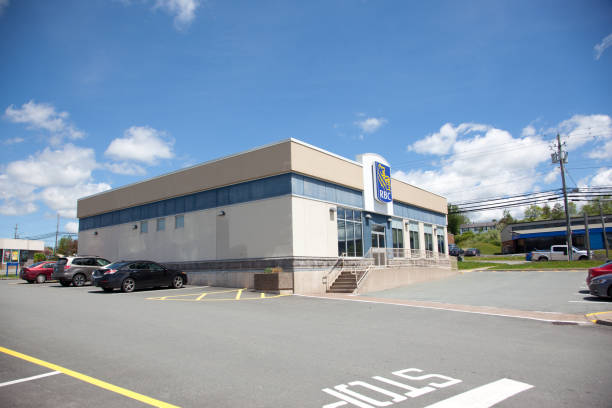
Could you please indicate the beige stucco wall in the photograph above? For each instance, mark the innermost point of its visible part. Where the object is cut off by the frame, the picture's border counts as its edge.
(251, 230)
(410, 194)
(251, 165)
(25, 244)
(323, 165)
(315, 231)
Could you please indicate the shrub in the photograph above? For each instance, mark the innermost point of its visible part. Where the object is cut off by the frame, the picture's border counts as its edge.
(39, 256)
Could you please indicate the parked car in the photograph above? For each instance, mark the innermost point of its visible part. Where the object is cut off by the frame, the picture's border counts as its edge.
(601, 286)
(38, 272)
(472, 252)
(557, 253)
(130, 275)
(602, 269)
(454, 250)
(76, 269)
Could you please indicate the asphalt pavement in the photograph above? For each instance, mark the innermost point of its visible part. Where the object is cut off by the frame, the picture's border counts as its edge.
(222, 347)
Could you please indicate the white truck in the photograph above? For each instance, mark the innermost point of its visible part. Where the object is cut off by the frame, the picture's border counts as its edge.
(558, 253)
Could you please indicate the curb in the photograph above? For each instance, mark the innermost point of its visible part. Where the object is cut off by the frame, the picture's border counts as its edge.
(602, 322)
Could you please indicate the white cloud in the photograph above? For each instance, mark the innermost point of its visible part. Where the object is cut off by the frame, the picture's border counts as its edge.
(141, 143)
(441, 143)
(182, 10)
(67, 166)
(14, 207)
(582, 129)
(602, 178)
(3, 5)
(44, 116)
(551, 176)
(479, 165)
(528, 131)
(14, 140)
(371, 125)
(604, 152)
(63, 199)
(71, 227)
(601, 47)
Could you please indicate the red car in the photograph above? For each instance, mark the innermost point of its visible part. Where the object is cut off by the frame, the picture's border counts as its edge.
(603, 269)
(39, 272)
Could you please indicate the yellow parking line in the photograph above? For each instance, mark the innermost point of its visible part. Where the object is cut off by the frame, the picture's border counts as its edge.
(239, 294)
(201, 296)
(598, 313)
(98, 383)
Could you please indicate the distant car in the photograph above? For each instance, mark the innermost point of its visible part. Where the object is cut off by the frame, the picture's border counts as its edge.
(472, 252)
(454, 250)
(602, 269)
(38, 272)
(130, 275)
(76, 270)
(601, 286)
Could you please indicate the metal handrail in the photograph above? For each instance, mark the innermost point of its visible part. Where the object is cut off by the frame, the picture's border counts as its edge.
(331, 276)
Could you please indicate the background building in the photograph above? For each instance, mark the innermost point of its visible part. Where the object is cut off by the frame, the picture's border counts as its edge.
(289, 205)
(19, 250)
(529, 236)
(477, 227)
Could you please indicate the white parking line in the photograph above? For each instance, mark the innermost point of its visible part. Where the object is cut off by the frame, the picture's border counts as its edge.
(36, 377)
(485, 396)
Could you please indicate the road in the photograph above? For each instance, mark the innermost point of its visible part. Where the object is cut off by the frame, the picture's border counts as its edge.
(200, 347)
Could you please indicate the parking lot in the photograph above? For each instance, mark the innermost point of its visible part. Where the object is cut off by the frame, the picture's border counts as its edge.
(228, 347)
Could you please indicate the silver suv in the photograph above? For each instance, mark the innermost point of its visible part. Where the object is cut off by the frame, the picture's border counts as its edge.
(76, 269)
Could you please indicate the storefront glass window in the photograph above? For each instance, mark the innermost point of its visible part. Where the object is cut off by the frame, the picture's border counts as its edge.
(350, 233)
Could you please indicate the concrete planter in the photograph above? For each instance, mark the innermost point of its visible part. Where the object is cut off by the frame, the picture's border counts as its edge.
(281, 282)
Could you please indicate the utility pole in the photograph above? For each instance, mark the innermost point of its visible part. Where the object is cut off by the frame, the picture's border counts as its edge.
(586, 235)
(561, 157)
(16, 227)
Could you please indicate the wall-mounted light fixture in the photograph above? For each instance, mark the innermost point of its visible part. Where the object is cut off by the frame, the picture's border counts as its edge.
(95, 232)
(134, 226)
(389, 219)
(368, 216)
(221, 213)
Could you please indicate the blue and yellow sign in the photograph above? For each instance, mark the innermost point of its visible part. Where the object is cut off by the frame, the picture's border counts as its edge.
(382, 183)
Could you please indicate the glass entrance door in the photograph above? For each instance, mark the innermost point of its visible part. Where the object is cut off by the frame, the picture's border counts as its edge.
(378, 244)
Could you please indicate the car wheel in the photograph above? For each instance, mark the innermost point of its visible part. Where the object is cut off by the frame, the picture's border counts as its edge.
(41, 278)
(128, 285)
(65, 283)
(177, 282)
(79, 279)
(107, 290)
(542, 259)
(30, 281)
(582, 258)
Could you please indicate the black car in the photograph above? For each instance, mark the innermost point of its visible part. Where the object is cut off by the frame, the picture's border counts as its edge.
(130, 275)
(472, 252)
(454, 250)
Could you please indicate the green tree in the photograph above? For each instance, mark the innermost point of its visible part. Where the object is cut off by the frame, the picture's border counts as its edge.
(455, 219)
(592, 207)
(532, 213)
(67, 246)
(39, 256)
(546, 212)
(558, 212)
(505, 220)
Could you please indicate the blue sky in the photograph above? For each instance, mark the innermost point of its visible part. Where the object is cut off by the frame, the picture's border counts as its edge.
(461, 97)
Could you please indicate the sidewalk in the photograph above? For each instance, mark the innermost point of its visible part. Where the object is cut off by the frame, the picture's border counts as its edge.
(604, 318)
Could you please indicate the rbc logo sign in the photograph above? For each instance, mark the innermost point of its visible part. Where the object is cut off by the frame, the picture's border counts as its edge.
(382, 182)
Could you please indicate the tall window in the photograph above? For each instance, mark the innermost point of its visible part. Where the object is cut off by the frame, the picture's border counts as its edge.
(440, 235)
(179, 221)
(350, 232)
(414, 235)
(428, 237)
(398, 238)
(144, 227)
(161, 224)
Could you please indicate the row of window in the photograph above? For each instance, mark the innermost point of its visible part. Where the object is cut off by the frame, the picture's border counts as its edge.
(179, 222)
